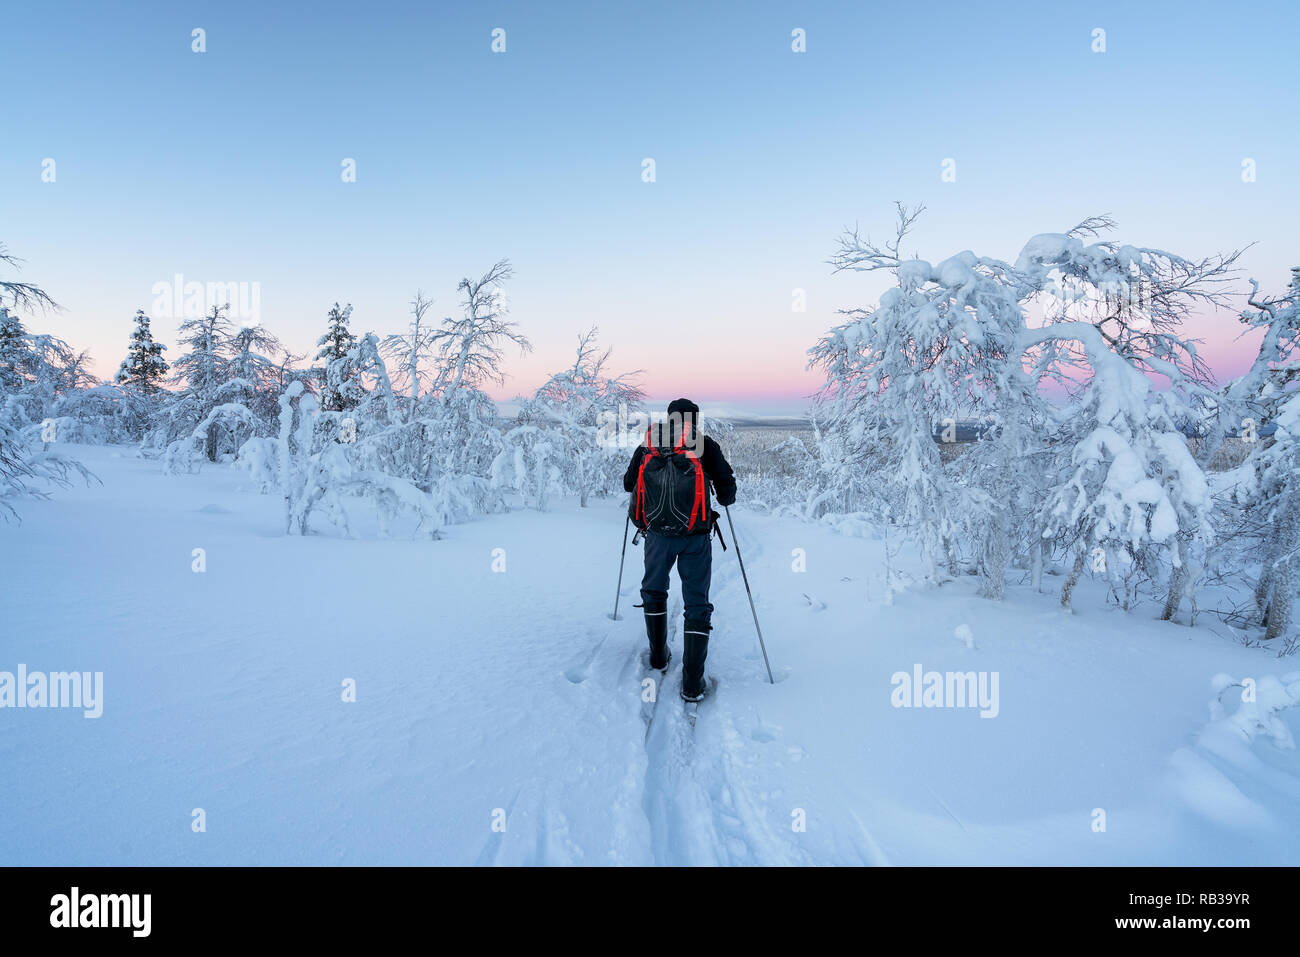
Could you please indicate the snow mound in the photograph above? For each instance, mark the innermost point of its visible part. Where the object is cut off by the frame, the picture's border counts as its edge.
(1231, 775)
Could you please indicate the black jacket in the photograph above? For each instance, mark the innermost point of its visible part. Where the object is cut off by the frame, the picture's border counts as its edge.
(715, 468)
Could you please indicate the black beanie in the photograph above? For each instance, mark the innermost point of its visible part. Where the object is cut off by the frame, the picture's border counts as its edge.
(686, 423)
(685, 408)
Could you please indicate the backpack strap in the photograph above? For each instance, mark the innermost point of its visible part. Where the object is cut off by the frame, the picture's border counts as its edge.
(700, 503)
(639, 516)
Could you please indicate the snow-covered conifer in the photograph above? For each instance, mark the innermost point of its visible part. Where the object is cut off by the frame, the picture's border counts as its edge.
(336, 343)
(144, 367)
(200, 370)
(13, 350)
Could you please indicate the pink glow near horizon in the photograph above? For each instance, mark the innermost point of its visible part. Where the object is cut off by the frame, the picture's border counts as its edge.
(764, 374)
(1224, 350)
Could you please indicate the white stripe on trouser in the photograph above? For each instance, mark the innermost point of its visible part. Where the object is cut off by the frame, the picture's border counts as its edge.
(695, 632)
(656, 613)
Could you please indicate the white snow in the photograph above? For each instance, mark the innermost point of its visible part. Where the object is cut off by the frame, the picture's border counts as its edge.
(481, 689)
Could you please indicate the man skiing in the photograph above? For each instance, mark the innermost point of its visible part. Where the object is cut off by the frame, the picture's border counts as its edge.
(669, 477)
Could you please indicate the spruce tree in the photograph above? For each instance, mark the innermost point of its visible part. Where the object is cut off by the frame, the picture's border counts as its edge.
(13, 351)
(335, 344)
(143, 366)
(204, 369)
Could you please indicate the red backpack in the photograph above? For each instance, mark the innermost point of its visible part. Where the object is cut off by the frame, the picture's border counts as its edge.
(670, 496)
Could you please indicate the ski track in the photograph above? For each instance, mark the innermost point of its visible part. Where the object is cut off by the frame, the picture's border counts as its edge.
(689, 790)
(699, 808)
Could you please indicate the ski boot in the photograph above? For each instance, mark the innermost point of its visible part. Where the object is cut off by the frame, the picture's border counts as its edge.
(656, 629)
(695, 638)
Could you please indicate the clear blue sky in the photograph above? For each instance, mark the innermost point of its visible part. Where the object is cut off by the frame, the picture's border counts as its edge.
(225, 166)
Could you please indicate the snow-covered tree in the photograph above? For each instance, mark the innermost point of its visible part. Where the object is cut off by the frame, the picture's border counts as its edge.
(572, 406)
(413, 351)
(1130, 488)
(35, 371)
(531, 464)
(1253, 399)
(1264, 491)
(1108, 471)
(144, 367)
(1277, 468)
(884, 392)
(229, 419)
(458, 422)
(106, 414)
(1127, 490)
(42, 370)
(253, 374)
(365, 452)
(471, 349)
(21, 296)
(432, 460)
(230, 393)
(13, 350)
(201, 370)
(36, 368)
(935, 350)
(335, 344)
(24, 459)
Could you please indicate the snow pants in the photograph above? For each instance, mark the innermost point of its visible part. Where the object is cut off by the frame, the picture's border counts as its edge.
(693, 555)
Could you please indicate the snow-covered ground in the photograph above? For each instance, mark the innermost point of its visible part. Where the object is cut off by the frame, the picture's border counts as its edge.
(486, 696)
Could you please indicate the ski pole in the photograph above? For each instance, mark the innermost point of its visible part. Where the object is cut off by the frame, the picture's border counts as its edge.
(627, 521)
(750, 594)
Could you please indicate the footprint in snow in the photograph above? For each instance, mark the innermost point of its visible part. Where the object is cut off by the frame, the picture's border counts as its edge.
(816, 604)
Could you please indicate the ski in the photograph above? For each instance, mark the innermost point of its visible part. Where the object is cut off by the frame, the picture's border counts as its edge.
(693, 707)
